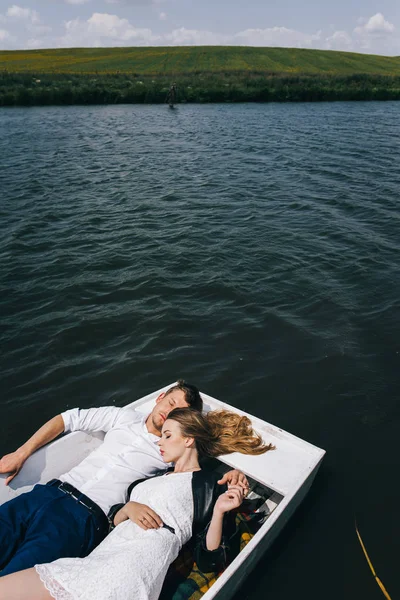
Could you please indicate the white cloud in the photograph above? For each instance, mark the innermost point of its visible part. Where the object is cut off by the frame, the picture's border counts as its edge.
(17, 12)
(38, 29)
(77, 1)
(7, 41)
(375, 34)
(376, 24)
(112, 26)
(277, 36)
(4, 35)
(34, 43)
(339, 40)
(26, 18)
(103, 29)
(194, 37)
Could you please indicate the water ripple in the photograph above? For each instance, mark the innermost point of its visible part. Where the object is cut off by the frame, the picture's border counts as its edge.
(251, 248)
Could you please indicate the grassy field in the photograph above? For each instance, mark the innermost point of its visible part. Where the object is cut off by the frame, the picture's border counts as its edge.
(202, 74)
(171, 61)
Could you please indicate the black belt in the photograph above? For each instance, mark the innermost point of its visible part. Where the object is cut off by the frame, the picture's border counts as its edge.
(91, 506)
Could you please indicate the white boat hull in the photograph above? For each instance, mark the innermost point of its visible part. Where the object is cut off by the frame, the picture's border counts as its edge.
(288, 472)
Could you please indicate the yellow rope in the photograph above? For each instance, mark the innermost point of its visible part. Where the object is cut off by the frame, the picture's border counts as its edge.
(378, 581)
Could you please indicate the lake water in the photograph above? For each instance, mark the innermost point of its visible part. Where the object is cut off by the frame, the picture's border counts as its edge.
(251, 249)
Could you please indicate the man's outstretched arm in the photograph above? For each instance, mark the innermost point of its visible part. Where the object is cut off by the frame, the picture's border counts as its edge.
(12, 463)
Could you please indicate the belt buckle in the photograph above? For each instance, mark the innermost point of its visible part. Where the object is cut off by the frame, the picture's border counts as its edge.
(78, 499)
(64, 489)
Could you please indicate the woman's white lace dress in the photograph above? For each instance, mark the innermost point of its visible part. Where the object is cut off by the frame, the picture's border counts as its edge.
(131, 563)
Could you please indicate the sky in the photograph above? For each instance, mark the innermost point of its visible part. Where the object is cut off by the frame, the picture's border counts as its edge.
(369, 26)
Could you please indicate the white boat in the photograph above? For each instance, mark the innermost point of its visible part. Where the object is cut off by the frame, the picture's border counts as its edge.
(281, 477)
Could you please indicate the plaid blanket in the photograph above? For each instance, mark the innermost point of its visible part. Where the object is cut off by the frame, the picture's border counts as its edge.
(185, 581)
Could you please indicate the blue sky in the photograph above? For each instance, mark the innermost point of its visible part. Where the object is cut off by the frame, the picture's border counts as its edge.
(369, 26)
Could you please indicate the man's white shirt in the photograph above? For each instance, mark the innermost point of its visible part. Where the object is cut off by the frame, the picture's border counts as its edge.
(129, 452)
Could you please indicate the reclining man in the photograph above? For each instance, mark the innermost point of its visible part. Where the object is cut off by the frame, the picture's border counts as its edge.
(67, 516)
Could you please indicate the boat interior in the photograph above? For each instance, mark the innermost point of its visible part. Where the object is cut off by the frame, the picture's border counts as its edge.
(260, 497)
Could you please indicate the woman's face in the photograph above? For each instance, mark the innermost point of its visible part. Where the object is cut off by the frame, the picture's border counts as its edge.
(172, 443)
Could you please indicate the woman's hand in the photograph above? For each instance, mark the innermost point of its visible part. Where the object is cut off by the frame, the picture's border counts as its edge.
(235, 477)
(140, 514)
(231, 499)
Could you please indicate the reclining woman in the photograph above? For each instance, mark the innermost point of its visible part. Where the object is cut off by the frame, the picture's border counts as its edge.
(163, 513)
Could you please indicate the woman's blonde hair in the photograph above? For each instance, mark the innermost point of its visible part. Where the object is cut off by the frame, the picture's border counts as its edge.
(219, 432)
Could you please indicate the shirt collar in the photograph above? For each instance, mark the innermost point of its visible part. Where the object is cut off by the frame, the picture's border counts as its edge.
(153, 438)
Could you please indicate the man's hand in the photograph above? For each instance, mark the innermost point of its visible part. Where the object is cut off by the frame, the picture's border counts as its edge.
(142, 515)
(12, 463)
(235, 478)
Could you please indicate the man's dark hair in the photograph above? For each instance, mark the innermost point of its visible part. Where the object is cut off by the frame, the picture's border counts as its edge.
(192, 394)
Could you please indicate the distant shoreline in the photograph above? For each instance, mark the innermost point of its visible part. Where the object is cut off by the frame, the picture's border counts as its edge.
(143, 75)
(45, 89)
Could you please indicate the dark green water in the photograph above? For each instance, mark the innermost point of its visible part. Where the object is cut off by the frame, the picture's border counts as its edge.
(253, 250)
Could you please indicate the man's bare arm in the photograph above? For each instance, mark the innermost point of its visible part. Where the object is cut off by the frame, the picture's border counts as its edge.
(12, 463)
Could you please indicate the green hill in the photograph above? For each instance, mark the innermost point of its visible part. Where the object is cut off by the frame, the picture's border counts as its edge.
(170, 61)
(202, 74)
